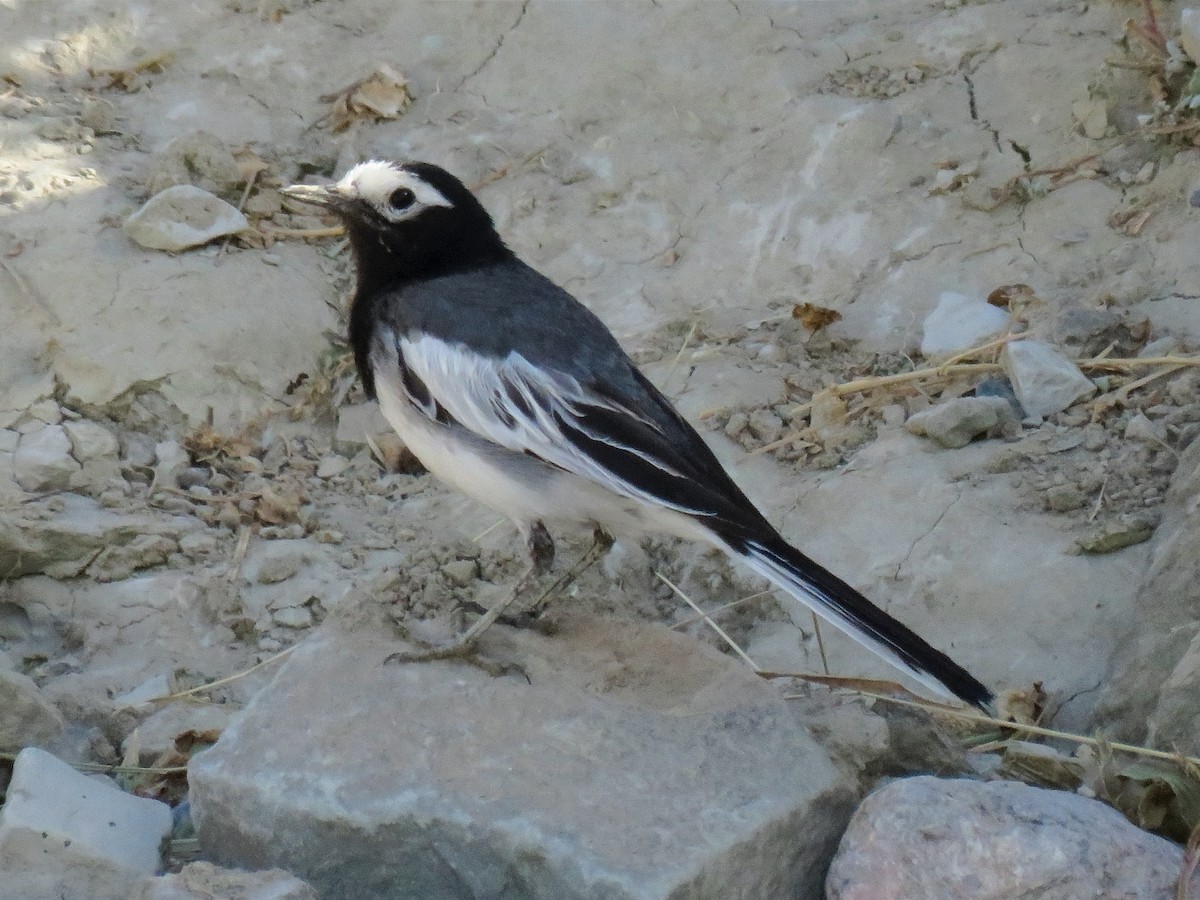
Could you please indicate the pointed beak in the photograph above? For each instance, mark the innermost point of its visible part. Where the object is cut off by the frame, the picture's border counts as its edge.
(316, 194)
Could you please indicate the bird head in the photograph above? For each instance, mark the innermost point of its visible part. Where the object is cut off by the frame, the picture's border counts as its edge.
(407, 219)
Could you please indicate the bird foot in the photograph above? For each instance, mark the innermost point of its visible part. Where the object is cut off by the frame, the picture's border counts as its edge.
(458, 648)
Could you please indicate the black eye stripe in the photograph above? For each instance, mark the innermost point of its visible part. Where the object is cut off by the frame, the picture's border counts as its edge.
(402, 198)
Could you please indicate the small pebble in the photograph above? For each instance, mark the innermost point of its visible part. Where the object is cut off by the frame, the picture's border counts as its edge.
(1064, 498)
(179, 506)
(193, 476)
(277, 568)
(332, 465)
(461, 572)
(293, 617)
(1140, 428)
(111, 498)
(229, 516)
(198, 543)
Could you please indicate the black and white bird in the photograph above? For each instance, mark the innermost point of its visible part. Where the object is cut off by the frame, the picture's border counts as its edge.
(509, 389)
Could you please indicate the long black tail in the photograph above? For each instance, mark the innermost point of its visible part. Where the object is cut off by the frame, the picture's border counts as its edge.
(841, 605)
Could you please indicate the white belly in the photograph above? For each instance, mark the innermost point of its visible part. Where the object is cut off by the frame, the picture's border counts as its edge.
(521, 487)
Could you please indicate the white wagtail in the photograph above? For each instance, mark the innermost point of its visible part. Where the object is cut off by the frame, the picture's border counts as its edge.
(509, 389)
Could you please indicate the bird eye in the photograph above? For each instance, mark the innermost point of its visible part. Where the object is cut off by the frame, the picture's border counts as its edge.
(402, 198)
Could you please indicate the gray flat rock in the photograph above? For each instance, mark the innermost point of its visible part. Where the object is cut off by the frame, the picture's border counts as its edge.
(634, 763)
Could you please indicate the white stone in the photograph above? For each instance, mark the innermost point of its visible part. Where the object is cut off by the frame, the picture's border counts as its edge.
(1044, 380)
(90, 441)
(43, 461)
(45, 411)
(1163, 346)
(9, 440)
(65, 834)
(153, 688)
(293, 617)
(183, 216)
(960, 322)
(331, 465)
(1189, 32)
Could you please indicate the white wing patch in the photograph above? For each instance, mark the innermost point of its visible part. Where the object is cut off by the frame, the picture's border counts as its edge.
(523, 408)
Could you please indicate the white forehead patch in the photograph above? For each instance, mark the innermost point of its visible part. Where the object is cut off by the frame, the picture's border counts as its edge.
(376, 180)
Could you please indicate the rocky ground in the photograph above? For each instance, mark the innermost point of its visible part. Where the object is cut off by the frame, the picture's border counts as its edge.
(765, 203)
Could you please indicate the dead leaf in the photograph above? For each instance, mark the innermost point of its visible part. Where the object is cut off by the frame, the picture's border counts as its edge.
(1040, 765)
(814, 317)
(1004, 295)
(1023, 706)
(828, 409)
(278, 505)
(131, 78)
(205, 443)
(882, 686)
(383, 95)
(250, 164)
(190, 742)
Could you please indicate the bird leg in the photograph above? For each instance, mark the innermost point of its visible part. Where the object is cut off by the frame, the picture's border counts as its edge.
(601, 543)
(541, 556)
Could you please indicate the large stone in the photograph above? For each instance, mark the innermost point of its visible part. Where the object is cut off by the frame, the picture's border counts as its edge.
(27, 719)
(1150, 694)
(64, 540)
(928, 837)
(70, 836)
(43, 461)
(634, 762)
